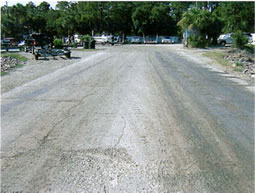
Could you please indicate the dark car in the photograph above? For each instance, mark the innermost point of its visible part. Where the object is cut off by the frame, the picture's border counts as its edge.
(150, 39)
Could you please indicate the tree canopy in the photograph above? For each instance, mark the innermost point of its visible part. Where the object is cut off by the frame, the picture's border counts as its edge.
(137, 18)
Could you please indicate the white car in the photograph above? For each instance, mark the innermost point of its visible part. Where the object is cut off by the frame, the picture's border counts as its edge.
(167, 40)
(22, 43)
(100, 39)
(228, 38)
(225, 39)
(136, 40)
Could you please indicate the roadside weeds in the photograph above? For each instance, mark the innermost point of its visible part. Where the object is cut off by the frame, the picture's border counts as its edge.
(239, 62)
(11, 61)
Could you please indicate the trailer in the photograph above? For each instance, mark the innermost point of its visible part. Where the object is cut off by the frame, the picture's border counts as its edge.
(46, 52)
(40, 45)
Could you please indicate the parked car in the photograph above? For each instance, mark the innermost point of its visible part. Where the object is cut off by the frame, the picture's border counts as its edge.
(5, 42)
(150, 40)
(166, 40)
(100, 39)
(116, 39)
(21, 43)
(228, 38)
(225, 39)
(174, 39)
(12, 41)
(136, 40)
(77, 39)
(128, 39)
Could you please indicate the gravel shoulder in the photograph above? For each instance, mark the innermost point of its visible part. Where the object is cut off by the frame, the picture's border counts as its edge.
(200, 55)
(34, 69)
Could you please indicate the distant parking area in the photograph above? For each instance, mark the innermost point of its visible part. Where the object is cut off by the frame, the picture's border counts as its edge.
(11, 50)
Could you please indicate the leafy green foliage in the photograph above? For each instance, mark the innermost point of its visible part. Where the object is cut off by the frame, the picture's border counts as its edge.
(239, 64)
(4, 73)
(85, 38)
(239, 40)
(58, 43)
(73, 45)
(239, 69)
(136, 18)
(195, 41)
(237, 16)
(205, 23)
(251, 49)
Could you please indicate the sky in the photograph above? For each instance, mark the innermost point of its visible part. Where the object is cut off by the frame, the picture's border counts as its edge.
(54, 2)
(24, 2)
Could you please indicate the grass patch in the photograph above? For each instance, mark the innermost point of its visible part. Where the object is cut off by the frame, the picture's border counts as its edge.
(4, 73)
(250, 48)
(19, 65)
(239, 68)
(239, 64)
(17, 56)
(218, 56)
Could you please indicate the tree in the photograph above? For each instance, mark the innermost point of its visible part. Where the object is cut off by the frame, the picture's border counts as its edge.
(65, 23)
(144, 18)
(44, 7)
(119, 19)
(161, 21)
(140, 18)
(89, 17)
(236, 16)
(13, 19)
(197, 21)
(153, 18)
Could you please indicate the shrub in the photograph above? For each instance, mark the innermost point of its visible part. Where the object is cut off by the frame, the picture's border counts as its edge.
(251, 49)
(86, 38)
(58, 43)
(239, 40)
(197, 41)
(73, 45)
(239, 64)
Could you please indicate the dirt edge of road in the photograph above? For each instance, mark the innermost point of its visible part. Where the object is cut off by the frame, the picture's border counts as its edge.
(218, 58)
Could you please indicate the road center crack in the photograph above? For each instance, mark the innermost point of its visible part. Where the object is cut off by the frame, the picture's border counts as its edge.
(122, 133)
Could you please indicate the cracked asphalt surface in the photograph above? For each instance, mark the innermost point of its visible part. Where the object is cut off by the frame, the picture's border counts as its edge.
(129, 119)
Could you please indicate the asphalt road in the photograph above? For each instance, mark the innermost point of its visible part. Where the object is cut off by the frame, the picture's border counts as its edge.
(129, 119)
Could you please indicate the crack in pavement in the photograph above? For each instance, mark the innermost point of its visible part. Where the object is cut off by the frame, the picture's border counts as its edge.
(122, 133)
(44, 139)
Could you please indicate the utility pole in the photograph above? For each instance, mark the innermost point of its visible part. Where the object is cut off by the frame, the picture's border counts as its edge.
(7, 9)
